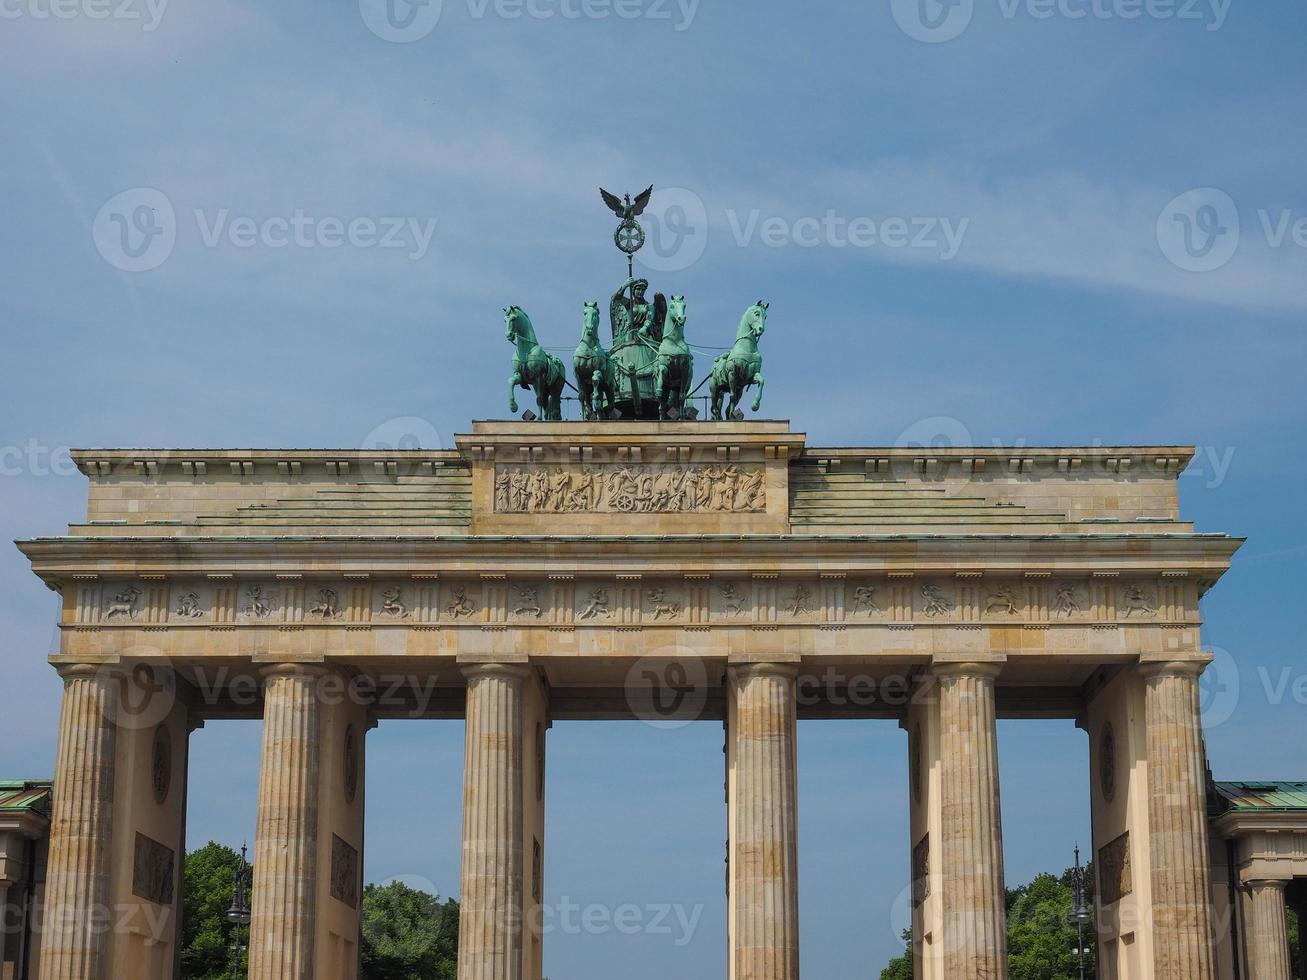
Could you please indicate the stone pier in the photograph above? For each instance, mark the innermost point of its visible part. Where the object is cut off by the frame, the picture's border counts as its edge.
(971, 845)
(77, 913)
(283, 927)
(1183, 942)
(764, 879)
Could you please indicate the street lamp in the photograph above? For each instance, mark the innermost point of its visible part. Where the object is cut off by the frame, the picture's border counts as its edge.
(239, 913)
(1079, 913)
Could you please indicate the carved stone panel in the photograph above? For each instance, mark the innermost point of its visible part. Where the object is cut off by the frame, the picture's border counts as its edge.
(344, 872)
(921, 871)
(1115, 876)
(153, 870)
(631, 489)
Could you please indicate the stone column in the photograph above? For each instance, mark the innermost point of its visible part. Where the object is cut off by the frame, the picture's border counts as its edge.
(765, 869)
(286, 835)
(1268, 931)
(4, 920)
(76, 909)
(1183, 942)
(491, 933)
(971, 845)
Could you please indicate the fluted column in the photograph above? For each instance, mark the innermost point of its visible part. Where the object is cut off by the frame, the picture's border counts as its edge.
(76, 908)
(971, 826)
(1268, 931)
(1183, 943)
(286, 835)
(765, 866)
(490, 936)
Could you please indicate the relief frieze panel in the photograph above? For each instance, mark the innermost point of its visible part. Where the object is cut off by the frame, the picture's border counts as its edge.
(631, 489)
(631, 600)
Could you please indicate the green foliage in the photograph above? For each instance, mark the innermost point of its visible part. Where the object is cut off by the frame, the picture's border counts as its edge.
(1294, 925)
(1041, 937)
(408, 934)
(900, 968)
(207, 937)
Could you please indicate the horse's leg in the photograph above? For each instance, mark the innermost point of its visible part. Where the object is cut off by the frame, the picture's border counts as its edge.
(717, 392)
(757, 402)
(513, 382)
(660, 381)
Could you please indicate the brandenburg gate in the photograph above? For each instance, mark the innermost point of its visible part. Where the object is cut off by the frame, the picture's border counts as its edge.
(551, 570)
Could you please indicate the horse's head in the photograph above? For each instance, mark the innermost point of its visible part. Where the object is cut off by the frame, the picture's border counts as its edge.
(590, 320)
(754, 323)
(676, 313)
(517, 325)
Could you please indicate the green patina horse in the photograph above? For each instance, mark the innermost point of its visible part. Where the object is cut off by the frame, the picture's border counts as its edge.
(533, 367)
(596, 379)
(674, 369)
(740, 367)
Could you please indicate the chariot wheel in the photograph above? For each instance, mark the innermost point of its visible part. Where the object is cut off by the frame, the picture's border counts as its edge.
(624, 502)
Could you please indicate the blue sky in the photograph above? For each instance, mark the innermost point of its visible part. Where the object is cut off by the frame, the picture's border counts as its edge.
(1031, 226)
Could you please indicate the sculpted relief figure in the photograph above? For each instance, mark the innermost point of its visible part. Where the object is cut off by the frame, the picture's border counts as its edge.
(1003, 600)
(662, 606)
(1065, 602)
(631, 489)
(257, 604)
(732, 601)
(1139, 601)
(328, 604)
(391, 604)
(528, 602)
(124, 604)
(459, 604)
(864, 599)
(596, 605)
(935, 602)
(188, 606)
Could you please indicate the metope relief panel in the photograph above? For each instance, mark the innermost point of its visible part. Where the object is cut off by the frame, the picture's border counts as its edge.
(634, 489)
(868, 600)
(934, 601)
(663, 602)
(190, 602)
(1138, 600)
(799, 601)
(731, 600)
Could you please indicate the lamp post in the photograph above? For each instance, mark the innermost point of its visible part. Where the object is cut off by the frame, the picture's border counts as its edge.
(239, 913)
(1079, 913)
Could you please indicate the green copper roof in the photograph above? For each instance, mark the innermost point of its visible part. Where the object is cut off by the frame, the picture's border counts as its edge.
(1263, 795)
(25, 795)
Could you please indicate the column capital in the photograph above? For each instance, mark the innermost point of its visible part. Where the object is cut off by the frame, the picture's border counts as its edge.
(967, 668)
(1188, 667)
(768, 669)
(74, 671)
(270, 671)
(515, 671)
(1257, 884)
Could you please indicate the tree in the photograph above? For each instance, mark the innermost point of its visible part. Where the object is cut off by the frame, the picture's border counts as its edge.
(408, 934)
(1041, 937)
(900, 968)
(207, 936)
